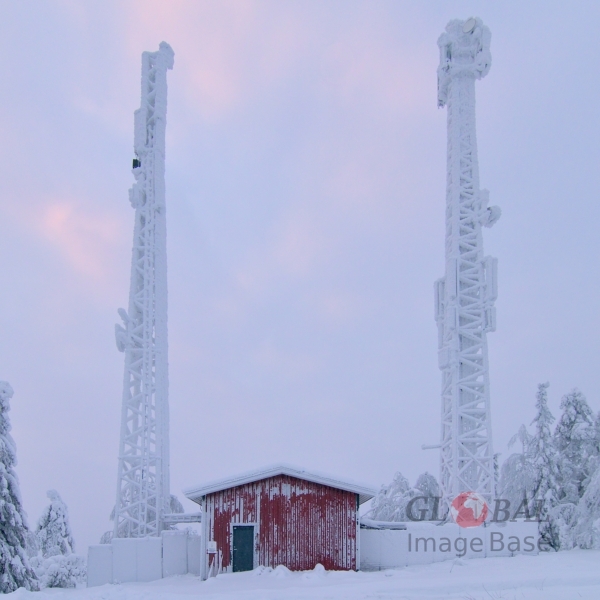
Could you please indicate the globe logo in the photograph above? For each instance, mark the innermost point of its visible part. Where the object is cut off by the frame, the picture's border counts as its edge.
(469, 509)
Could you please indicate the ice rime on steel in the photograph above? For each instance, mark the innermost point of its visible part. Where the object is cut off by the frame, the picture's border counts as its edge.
(143, 475)
(464, 298)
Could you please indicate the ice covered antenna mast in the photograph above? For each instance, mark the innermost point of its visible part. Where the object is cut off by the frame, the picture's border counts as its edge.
(143, 474)
(464, 298)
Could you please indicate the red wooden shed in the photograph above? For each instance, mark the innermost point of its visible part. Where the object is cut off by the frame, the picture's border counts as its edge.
(279, 515)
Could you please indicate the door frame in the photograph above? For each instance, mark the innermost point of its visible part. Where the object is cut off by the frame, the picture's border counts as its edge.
(254, 542)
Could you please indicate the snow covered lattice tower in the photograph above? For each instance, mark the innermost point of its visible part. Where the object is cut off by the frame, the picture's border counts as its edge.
(464, 298)
(143, 493)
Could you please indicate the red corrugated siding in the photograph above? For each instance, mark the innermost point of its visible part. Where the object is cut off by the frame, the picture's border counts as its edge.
(300, 523)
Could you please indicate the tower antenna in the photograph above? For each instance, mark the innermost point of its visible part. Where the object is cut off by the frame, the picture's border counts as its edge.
(143, 495)
(465, 296)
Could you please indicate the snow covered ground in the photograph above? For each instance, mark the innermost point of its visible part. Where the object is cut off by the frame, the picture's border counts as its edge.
(549, 576)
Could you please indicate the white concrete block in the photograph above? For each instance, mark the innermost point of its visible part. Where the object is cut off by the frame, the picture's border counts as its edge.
(475, 541)
(370, 550)
(423, 543)
(149, 559)
(420, 544)
(174, 553)
(124, 556)
(194, 549)
(99, 565)
(508, 539)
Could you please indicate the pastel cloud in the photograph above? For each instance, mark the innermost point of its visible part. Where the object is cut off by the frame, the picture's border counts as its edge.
(228, 53)
(88, 243)
(84, 240)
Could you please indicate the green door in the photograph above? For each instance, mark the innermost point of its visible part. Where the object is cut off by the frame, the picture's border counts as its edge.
(243, 548)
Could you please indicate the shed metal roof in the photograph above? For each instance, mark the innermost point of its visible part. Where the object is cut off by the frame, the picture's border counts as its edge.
(196, 493)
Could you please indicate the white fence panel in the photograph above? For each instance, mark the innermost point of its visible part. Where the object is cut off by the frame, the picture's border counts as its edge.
(174, 553)
(99, 565)
(144, 559)
(124, 559)
(149, 559)
(423, 543)
(194, 548)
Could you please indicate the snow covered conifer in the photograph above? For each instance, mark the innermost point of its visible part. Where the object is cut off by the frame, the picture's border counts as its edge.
(57, 565)
(523, 437)
(576, 415)
(574, 440)
(428, 485)
(595, 446)
(15, 571)
(543, 452)
(496, 471)
(587, 530)
(545, 465)
(564, 518)
(106, 537)
(390, 502)
(175, 505)
(517, 475)
(53, 529)
(597, 433)
(594, 462)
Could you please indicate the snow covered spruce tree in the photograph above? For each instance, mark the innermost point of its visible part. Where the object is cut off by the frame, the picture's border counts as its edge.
(517, 475)
(597, 434)
(574, 439)
(53, 530)
(558, 475)
(392, 500)
(15, 571)
(56, 564)
(390, 503)
(587, 518)
(545, 464)
(427, 485)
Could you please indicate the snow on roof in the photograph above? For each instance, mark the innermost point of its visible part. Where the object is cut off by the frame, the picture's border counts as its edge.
(364, 492)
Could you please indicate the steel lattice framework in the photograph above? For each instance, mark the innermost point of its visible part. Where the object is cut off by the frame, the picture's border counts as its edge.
(464, 298)
(143, 494)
